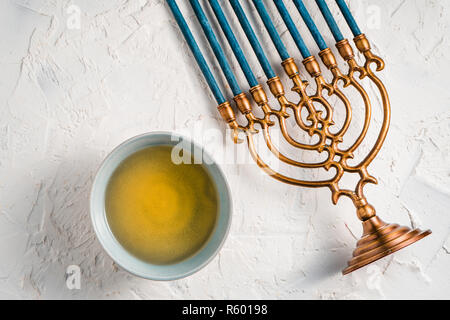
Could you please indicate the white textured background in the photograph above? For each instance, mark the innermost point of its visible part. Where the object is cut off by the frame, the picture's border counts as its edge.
(68, 96)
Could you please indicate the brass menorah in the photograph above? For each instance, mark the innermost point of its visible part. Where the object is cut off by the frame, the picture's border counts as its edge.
(379, 239)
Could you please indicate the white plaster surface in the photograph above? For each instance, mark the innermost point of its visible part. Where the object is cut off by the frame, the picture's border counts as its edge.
(68, 95)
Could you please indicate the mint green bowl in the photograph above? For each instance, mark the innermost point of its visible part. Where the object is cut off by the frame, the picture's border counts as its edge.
(115, 250)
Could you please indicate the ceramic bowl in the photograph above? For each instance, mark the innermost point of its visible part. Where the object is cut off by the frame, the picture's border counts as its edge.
(115, 250)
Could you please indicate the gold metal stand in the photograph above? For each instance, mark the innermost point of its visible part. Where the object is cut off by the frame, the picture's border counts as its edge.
(379, 238)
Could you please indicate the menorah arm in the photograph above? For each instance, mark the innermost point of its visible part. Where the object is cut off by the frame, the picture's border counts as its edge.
(319, 123)
(313, 68)
(347, 54)
(292, 71)
(287, 160)
(260, 98)
(300, 85)
(364, 47)
(328, 58)
(280, 177)
(277, 89)
(330, 62)
(367, 116)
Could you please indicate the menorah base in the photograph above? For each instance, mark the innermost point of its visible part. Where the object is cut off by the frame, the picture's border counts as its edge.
(381, 239)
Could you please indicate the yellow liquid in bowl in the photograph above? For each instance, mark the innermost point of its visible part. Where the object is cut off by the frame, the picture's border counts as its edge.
(161, 212)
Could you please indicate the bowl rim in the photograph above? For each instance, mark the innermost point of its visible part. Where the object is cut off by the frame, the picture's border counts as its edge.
(109, 250)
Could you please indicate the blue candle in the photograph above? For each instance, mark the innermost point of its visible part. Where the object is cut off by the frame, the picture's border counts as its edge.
(262, 11)
(217, 49)
(330, 20)
(251, 36)
(233, 43)
(292, 28)
(196, 52)
(349, 17)
(310, 24)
